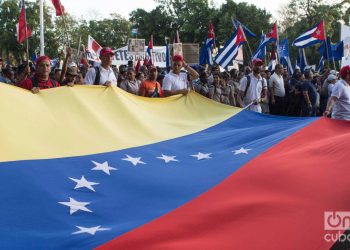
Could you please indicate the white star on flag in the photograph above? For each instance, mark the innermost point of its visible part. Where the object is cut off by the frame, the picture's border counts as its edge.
(241, 151)
(76, 206)
(84, 183)
(318, 32)
(201, 156)
(167, 158)
(90, 230)
(103, 167)
(133, 160)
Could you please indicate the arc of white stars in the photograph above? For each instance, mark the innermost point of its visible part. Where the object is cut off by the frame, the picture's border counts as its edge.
(90, 230)
(103, 167)
(202, 156)
(167, 158)
(75, 206)
(133, 160)
(241, 151)
(83, 183)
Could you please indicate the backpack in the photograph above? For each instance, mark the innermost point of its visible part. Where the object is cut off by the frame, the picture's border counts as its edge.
(248, 85)
(35, 82)
(98, 75)
(155, 92)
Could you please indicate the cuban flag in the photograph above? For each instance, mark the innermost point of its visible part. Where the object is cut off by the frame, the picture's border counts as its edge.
(125, 173)
(261, 51)
(320, 66)
(247, 32)
(206, 56)
(313, 36)
(271, 37)
(272, 62)
(230, 51)
(301, 60)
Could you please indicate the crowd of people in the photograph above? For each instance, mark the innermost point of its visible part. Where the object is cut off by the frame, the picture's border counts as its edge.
(252, 87)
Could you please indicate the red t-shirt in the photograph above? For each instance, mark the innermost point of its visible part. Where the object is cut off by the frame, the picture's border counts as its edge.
(149, 87)
(28, 84)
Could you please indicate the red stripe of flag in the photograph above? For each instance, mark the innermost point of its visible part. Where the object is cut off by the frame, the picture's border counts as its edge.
(23, 30)
(276, 201)
(59, 7)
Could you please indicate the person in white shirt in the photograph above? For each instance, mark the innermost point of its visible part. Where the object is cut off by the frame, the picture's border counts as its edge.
(176, 82)
(252, 88)
(339, 102)
(103, 74)
(276, 84)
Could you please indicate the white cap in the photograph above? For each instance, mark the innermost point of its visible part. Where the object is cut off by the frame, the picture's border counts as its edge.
(333, 72)
(72, 64)
(331, 77)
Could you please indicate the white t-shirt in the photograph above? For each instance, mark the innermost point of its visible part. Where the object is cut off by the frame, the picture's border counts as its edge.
(341, 108)
(175, 82)
(279, 84)
(105, 75)
(253, 92)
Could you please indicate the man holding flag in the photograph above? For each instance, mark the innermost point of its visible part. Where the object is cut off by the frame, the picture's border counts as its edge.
(253, 88)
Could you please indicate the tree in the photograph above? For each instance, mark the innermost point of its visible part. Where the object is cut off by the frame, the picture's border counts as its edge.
(256, 19)
(190, 17)
(300, 15)
(155, 22)
(113, 32)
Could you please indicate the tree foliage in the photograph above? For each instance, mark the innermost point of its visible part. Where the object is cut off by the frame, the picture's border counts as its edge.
(300, 15)
(190, 17)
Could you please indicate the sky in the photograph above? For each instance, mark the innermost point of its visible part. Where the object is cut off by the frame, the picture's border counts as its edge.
(97, 9)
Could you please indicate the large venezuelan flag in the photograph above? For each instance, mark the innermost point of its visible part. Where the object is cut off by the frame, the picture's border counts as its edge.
(94, 167)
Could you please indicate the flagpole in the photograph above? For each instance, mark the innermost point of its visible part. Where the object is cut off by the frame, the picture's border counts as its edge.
(25, 31)
(152, 54)
(64, 24)
(42, 50)
(78, 50)
(277, 45)
(265, 61)
(250, 51)
(325, 34)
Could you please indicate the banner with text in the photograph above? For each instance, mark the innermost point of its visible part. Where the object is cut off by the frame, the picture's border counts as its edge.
(122, 56)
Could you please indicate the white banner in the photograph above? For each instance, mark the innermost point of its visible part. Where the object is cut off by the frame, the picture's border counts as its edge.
(122, 56)
(345, 36)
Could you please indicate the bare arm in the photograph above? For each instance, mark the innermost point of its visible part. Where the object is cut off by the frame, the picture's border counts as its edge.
(194, 74)
(330, 105)
(65, 63)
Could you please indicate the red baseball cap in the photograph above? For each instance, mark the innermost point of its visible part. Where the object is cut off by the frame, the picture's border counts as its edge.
(344, 71)
(106, 51)
(42, 58)
(257, 62)
(178, 58)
